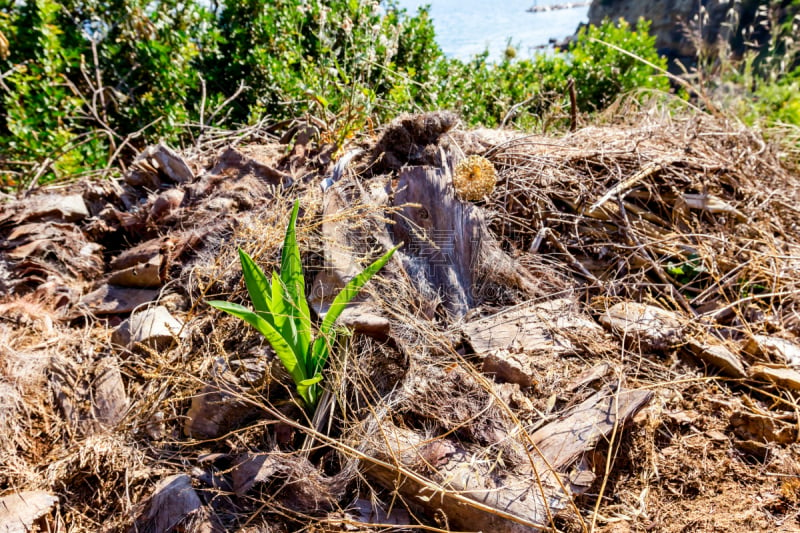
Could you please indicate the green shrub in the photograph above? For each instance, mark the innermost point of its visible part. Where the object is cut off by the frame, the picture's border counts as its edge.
(91, 80)
(40, 109)
(485, 92)
(602, 72)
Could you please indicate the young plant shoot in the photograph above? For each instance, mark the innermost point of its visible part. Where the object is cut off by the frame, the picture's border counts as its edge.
(281, 314)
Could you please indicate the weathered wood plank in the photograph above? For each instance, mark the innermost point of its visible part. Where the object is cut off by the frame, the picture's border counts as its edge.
(531, 328)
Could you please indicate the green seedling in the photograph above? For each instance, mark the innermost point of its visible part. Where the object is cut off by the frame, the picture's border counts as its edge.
(280, 313)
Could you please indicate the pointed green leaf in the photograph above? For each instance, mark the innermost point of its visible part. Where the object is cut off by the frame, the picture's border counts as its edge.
(279, 306)
(282, 349)
(352, 289)
(257, 284)
(294, 287)
(321, 348)
(308, 389)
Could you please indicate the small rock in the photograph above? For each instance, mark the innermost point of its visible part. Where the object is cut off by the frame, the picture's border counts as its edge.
(644, 326)
(154, 327)
(19, 511)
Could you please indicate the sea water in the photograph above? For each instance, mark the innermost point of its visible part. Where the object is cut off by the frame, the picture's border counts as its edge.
(468, 27)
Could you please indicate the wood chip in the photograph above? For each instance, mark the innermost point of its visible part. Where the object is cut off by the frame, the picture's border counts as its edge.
(781, 376)
(109, 400)
(469, 491)
(718, 356)
(532, 328)
(215, 411)
(112, 300)
(762, 429)
(65, 208)
(644, 326)
(582, 427)
(142, 275)
(782, 350)
(173, 501)
(19, 511)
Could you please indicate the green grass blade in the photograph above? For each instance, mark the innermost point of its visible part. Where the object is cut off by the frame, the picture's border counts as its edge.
(256, 282)
(294, 287)
(282, 349)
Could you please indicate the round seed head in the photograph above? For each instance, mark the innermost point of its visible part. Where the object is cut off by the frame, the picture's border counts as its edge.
(474, 178)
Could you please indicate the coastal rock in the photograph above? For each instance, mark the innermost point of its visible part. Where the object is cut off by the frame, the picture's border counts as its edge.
(671, 21)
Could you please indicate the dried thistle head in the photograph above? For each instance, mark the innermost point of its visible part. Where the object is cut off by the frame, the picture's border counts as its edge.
(474, 178)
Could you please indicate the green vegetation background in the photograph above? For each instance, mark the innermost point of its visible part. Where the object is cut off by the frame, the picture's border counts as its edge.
(86, 84)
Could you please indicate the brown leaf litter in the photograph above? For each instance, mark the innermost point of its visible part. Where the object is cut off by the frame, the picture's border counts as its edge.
(604, 340)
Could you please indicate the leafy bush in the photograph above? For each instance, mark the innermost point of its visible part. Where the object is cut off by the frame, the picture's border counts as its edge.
(40, 110)
(92, 80)
(485, 92)
(602, 72)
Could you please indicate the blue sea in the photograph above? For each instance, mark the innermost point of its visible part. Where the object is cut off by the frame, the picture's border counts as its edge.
(468, 27)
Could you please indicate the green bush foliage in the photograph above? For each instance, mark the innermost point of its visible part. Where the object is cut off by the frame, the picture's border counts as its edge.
(485, 92)
(90, 81)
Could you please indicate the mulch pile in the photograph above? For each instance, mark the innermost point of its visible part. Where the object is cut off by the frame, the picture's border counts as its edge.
(607, 341)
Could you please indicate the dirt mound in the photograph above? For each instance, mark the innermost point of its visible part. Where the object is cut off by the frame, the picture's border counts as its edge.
(608, 341)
